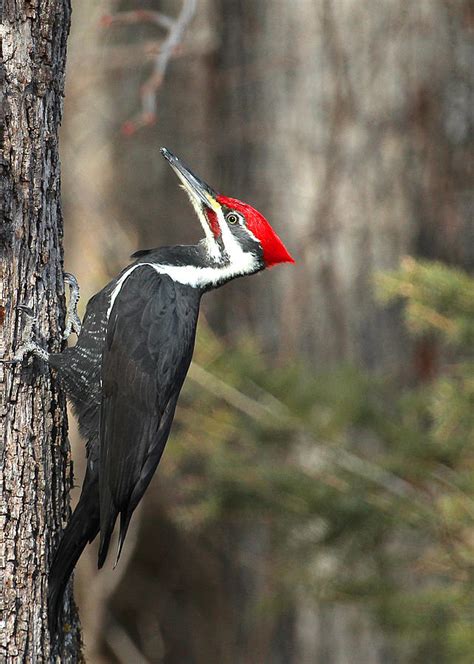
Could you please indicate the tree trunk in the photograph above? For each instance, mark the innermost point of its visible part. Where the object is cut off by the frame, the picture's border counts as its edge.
(36, 471)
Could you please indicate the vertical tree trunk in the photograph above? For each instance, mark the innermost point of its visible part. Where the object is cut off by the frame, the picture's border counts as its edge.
(36, 468)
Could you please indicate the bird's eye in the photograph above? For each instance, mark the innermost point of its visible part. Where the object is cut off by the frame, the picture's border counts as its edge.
(232, 218)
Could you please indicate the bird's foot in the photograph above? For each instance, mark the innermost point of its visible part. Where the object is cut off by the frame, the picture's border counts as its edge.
(29, 346)
(73, 322)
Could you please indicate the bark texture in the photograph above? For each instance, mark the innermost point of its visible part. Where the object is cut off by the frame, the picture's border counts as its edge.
(36, 472)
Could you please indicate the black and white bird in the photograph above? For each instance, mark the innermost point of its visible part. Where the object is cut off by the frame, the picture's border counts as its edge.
(125, 373)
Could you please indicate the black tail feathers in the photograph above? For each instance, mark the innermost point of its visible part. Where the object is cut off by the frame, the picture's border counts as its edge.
(106, 529)
(124, 524)
(81, 529)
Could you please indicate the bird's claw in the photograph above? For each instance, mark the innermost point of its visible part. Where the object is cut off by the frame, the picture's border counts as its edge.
(73, 322)
(11, 362)
(70, 279)
(29, 346)
(25, 349)
(27, 310)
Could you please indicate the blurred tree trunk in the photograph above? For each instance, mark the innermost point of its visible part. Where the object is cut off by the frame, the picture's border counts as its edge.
(347, 124)
(36, 467)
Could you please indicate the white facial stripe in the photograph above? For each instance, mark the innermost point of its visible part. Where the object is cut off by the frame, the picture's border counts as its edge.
(190, 275)
(251, 234)
(231, 245)
(211, 245)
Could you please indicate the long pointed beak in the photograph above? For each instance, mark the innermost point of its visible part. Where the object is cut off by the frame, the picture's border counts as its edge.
(195, 187)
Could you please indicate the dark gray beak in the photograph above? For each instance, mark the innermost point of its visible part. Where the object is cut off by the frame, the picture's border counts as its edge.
(193, 185)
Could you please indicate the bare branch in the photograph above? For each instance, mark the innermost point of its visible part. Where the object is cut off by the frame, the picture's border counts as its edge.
(138, 16)
(169, 47)
(322, 453)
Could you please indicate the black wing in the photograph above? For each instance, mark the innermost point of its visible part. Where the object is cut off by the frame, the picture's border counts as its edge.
(148, 349)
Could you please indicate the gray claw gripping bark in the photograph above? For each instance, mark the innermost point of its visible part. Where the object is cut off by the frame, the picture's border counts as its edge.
(73, 322)
(28, 345)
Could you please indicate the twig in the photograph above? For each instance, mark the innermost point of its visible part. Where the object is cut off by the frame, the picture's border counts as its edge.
(222, 390)
(138, 16)
(312, 453)
(170, 45)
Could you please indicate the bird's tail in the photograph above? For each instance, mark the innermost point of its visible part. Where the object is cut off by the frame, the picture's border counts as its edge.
(108, 517)
(81, 529)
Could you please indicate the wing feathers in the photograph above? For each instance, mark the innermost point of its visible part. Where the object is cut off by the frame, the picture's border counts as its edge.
(149, 345)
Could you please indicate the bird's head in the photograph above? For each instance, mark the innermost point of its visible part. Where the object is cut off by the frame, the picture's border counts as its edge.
(237, 235)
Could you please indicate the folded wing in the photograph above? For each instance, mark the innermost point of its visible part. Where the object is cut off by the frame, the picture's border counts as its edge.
(149, 345)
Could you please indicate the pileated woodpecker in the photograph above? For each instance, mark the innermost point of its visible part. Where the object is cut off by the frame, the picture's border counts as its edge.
(127, 368)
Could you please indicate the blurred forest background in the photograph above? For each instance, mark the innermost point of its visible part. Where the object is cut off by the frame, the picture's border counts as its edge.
(315, 502)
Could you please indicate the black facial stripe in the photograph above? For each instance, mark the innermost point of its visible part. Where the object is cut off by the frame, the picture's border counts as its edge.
(245, 239)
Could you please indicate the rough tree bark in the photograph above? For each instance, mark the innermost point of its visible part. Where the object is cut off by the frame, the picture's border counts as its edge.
(36, 468)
